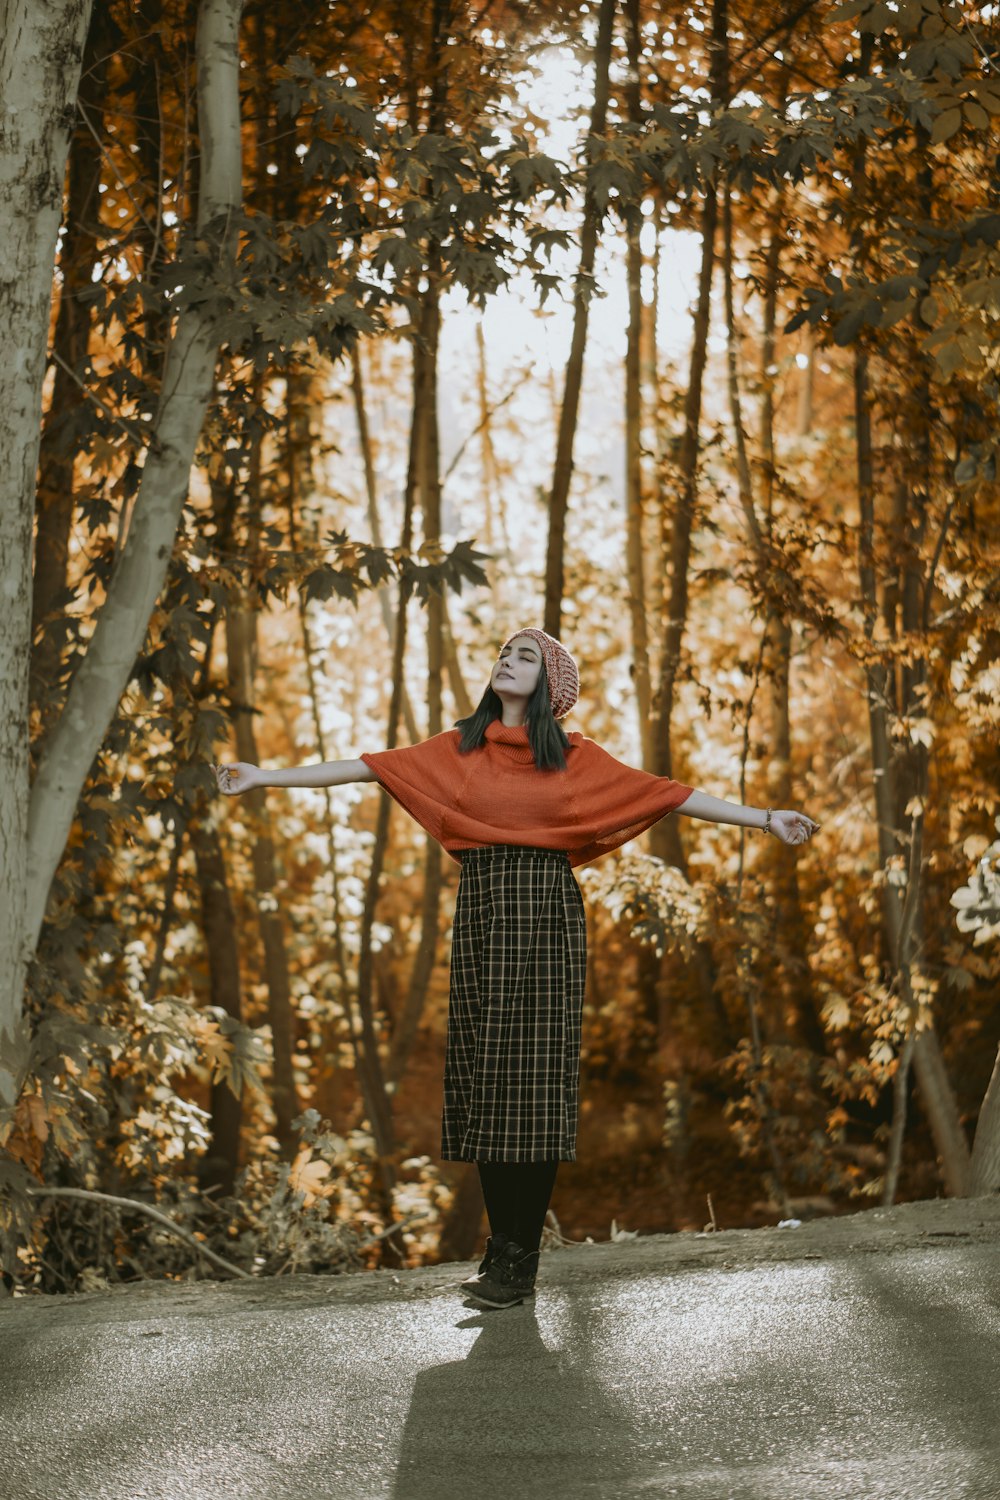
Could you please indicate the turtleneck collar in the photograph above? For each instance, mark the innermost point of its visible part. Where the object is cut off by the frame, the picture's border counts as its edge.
(512, 740)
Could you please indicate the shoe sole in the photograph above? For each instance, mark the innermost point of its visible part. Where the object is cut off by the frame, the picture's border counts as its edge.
(485, 1301)
(473, 1291)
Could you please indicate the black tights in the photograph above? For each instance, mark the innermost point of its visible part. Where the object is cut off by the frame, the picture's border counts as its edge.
(517, 1197)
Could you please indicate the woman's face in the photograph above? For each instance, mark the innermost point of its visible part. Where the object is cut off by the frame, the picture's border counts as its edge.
(515, 673)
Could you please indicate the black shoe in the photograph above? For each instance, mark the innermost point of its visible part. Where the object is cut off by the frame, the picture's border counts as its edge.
(493, 1247)
(509, 1279)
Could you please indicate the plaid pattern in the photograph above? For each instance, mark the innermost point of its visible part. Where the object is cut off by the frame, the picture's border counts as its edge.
(518, 965)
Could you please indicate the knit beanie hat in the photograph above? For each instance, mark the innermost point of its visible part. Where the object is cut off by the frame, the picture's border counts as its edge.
(560, 669)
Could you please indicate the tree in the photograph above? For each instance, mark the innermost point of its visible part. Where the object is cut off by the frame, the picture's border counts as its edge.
(40, 54)
(37, 840)
(583, 290)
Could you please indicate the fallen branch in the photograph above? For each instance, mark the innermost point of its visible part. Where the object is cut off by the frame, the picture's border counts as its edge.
(407, 1223)
(143, 1208)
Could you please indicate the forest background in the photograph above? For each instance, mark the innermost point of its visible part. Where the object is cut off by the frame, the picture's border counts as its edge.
(343, 340)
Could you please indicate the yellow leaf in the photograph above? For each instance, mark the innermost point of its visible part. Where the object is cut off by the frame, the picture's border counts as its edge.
(308, 1176)
(836, 1012)
(218, 1050)
(33, 1105)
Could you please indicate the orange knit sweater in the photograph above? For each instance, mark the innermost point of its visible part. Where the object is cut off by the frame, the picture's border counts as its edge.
(497, 795)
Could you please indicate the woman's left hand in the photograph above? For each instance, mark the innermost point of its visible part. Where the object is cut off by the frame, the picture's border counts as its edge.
(792, 827)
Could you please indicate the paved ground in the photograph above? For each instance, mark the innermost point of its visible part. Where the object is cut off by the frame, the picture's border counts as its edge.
(853, 1360)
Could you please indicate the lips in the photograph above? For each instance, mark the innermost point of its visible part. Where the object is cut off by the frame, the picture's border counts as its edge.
(505, 674)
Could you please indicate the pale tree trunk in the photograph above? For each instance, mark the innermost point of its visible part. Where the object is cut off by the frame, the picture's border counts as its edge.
(492, 481)
(40, 51)
(456, 681)
(633, 419)
(374, 520)
(143, 561)
(59, 437)
(582, 289)
(657, 382)
(665, 837)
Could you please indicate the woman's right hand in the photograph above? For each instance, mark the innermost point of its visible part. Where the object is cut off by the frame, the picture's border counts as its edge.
(236, 777)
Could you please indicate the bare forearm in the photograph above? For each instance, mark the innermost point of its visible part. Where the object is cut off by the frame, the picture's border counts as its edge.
(717, 810)
(326, 773)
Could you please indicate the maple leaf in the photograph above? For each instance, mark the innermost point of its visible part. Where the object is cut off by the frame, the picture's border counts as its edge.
(307, 1177)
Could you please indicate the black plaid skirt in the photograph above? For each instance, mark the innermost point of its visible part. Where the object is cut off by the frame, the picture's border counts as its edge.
(518, 965)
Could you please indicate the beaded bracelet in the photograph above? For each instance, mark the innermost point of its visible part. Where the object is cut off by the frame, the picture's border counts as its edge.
(767, 822)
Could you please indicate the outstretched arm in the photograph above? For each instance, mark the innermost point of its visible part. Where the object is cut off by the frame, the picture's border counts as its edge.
(790, 827)
(242, 776)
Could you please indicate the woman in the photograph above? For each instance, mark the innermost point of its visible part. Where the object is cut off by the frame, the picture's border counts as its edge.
(518, 803)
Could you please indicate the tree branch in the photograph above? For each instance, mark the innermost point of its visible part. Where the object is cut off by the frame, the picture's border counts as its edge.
(152, 1213)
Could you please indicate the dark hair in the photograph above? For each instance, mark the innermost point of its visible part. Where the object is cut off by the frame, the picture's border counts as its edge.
(546, 736)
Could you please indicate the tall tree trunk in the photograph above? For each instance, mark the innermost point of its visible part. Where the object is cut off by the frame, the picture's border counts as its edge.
(41, 50)
(665, 836)
(62, 422)
(634, 508)
(374, 520)
(241, 655)
(900, 912)
(582, 291)
(425, 420)
(219, 1165)
(376, 1094)
(492, 487)
(659, 411)
(456, 681)
(794, 996)
(300, 484)
(901, 905)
